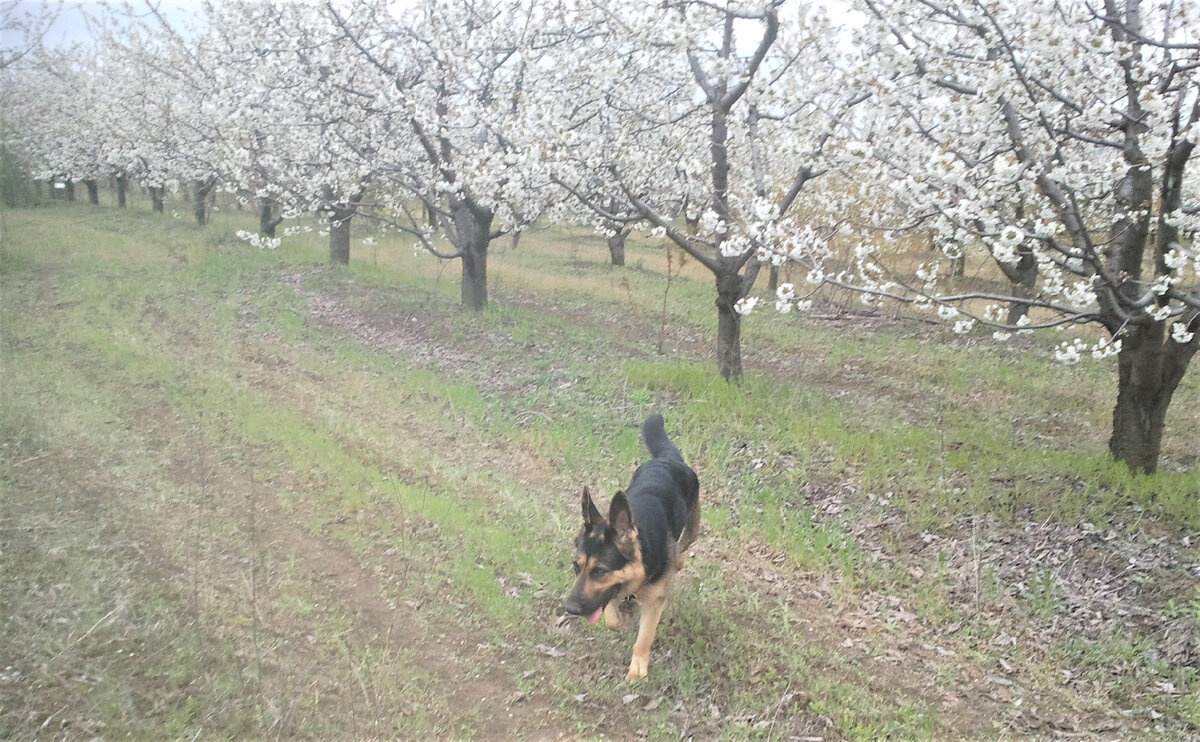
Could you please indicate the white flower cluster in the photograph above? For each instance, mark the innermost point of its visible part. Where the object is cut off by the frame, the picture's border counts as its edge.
(1159, 313)
(785, 297)
(711, 223)
(786, 301)
(735, 246)
(260, 241)
(928, 275)
(1103, 348)
(1005, 248)
(947, 312)
(745, 306)
(1072, 352)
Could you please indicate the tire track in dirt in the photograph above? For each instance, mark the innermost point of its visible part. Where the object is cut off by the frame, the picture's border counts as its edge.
(362, 585)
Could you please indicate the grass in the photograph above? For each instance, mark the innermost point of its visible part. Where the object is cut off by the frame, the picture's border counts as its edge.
(342, 507)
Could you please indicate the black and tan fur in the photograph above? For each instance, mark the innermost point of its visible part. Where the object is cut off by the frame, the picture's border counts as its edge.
(639, 547)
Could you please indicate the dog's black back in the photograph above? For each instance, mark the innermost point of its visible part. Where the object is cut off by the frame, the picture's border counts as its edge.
(663, 496)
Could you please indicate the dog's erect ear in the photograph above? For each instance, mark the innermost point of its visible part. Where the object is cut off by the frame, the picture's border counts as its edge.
(591, 516)
(620, 516)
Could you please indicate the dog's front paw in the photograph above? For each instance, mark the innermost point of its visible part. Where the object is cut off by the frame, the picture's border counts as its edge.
(638, 667)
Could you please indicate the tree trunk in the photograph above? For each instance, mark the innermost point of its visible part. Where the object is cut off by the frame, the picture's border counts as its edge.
(616, 246)
(93, 189)
(156, 199)
(268, 220)
(70, 189)
(474, 276)
(1150, 367)
(200, 191)
(339, 235)
(472, 225)
(1023, 276)
(1018, 309)
(729, 326)
(1145, 379)
(122, 185)
(200, 204)
(1138, 422)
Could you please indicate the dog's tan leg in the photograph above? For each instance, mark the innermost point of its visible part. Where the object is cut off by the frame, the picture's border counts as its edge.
(691, 530)
(612, 616)
(652, 598)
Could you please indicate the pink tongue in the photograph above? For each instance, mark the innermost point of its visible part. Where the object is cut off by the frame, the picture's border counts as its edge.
(595, 616)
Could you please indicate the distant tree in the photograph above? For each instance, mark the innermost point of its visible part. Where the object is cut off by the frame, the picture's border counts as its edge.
(56, 118)
(302, 129)
(471, 156)
(719, 111)
(162, 84)
(595, 198)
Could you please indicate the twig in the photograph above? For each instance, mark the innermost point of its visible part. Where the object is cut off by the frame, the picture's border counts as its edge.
(975, 554)
(662, 324)
(32, 458)
(778, 706)
(88, 633)
(46, 723)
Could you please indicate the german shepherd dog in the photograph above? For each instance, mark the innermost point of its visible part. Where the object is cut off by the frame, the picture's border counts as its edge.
(636, 550)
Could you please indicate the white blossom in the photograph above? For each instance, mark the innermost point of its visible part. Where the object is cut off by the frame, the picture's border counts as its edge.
(1103, 349)
(257, 240)
(1012, 236)
(745, 305)
(1070, 352)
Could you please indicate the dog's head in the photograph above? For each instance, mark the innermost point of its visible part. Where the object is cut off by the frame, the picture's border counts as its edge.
(608, 557)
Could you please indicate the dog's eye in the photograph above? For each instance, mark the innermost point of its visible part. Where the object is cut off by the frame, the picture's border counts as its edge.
(598, 572)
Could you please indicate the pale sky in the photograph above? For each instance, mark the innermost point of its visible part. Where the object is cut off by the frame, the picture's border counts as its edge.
(70, 26)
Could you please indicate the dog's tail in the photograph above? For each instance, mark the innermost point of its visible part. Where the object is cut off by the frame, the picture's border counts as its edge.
(656, 440)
